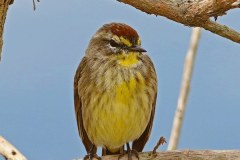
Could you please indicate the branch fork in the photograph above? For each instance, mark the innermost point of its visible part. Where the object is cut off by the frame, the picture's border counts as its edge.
(193, 13)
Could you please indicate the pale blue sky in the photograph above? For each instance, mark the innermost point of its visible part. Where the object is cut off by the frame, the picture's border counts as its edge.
(42, 50)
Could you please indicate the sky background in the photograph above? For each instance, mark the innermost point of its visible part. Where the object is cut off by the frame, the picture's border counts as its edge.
(42, 50)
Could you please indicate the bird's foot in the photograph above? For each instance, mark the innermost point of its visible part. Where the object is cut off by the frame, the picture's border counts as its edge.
(91, 156)
(130, 152)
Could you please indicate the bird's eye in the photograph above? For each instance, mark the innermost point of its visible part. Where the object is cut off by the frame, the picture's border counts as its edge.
(113, 43)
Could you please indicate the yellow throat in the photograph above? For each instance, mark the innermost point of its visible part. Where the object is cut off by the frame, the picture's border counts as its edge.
(128, 59)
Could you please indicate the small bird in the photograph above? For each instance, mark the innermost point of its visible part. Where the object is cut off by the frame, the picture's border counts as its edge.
(115, 91)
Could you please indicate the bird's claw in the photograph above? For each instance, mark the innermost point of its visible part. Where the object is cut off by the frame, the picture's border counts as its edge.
(90, 156)
(130, 152)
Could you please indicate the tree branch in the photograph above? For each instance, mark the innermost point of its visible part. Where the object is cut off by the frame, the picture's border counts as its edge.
(192, 13)
(222, 30)
(9, 151)
(185, 88)
(184, 155)
(3, 13)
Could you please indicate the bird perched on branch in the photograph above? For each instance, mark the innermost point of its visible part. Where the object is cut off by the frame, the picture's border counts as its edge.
(115, 90)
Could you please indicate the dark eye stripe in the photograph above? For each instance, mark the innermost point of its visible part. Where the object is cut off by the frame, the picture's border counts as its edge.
(114, 44)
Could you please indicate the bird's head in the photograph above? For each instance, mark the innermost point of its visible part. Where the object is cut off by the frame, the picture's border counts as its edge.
(115, 39)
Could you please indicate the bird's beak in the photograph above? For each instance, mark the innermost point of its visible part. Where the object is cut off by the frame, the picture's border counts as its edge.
(137, 49)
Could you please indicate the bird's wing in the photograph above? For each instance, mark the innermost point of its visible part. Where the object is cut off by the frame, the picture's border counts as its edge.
(139, 143)
(78, 110)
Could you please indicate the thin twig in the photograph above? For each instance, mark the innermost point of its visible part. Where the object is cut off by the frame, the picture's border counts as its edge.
(186, 81)
(34, 4)
(161, 141)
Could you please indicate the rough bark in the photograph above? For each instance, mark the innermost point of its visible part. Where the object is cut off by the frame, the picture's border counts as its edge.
(185, 155)
(194, 13)
(3, 13)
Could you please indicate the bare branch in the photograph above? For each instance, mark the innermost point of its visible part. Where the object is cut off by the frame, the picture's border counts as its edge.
(185, 155)
(192, 13)
(222, 30)
(3, 13)
(9, 151)
(186, 82)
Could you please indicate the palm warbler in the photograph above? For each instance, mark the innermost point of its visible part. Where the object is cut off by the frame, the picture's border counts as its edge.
(115, 90)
